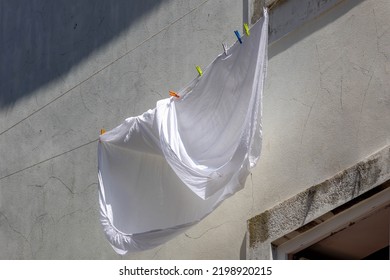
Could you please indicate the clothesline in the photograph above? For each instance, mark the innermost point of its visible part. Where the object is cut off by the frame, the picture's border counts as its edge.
(165, 170)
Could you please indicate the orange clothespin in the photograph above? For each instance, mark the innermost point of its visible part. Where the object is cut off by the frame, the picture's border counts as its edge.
(102, 131)
(174, 94)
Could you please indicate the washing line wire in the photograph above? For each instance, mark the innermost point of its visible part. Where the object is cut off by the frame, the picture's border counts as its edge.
(102, 69)
(69, 90)
(48, 159)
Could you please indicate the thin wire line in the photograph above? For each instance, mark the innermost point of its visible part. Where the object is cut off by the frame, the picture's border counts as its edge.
(45, 160)
(274, 4)
(105, 67)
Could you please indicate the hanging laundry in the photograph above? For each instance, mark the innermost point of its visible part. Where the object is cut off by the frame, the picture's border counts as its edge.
(165, 170)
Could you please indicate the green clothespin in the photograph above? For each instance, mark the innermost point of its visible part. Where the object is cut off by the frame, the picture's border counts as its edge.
(199, 70)
(246, 28)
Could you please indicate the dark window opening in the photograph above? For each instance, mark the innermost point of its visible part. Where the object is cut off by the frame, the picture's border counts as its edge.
(367, 238)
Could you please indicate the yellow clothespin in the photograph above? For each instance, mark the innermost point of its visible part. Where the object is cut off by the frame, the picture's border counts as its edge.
(199, 70)
(246, 27)
(102, 131)
(174, 94)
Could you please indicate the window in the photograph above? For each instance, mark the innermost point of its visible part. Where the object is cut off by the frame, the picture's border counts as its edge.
(359, 229)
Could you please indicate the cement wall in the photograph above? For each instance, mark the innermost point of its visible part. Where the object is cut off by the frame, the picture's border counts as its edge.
(326, 108)
(73, 67)
(306, 210)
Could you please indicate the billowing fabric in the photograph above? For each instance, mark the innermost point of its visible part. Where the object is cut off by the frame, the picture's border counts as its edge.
(165, 170)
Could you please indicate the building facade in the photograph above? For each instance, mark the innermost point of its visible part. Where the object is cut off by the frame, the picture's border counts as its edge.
(72, 68)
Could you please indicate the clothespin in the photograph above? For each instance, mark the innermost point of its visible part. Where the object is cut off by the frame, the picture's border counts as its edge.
(199, 70)
(246, 28)
(224, 48)
(174, 94)
(102, 131)
(238, 36)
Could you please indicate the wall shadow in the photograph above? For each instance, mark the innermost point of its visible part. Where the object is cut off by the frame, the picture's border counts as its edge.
(42, 40)
(294, 20)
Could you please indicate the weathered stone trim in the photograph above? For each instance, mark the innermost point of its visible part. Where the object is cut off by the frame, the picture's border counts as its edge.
(316, 201)
(287, 15)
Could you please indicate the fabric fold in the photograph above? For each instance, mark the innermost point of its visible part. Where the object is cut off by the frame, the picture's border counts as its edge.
(165, 170)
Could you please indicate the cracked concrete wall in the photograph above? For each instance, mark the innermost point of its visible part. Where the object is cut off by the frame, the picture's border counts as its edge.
(326, 106)
(70, 68)
(311, 207)
(326, 102)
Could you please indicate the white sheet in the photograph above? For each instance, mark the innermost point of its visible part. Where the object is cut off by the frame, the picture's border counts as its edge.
(165, 170)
